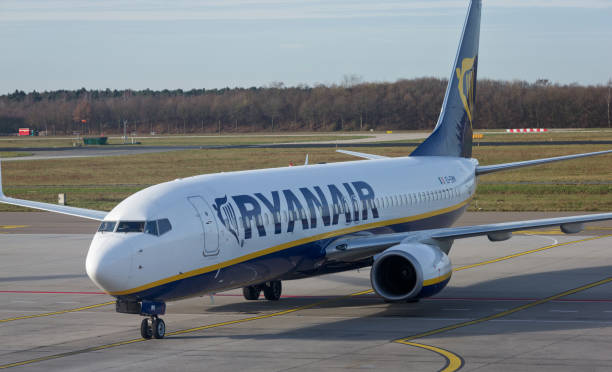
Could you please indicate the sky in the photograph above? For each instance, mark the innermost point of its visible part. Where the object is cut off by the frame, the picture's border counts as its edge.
(139, 44)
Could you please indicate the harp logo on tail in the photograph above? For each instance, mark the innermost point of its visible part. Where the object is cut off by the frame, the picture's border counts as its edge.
(467, 79)
(227, 216)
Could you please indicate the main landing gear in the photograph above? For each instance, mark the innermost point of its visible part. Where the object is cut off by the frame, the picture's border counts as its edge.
(272, 291)
(154, 327)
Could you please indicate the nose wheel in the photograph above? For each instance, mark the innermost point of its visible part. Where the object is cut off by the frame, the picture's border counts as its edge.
(152, 328)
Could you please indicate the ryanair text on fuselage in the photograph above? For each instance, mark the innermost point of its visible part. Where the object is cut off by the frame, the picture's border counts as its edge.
(354, 200)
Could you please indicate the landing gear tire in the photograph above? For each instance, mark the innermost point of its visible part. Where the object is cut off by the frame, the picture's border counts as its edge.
(251, 292)
(272, 290)
(145, 329)
(158, 328)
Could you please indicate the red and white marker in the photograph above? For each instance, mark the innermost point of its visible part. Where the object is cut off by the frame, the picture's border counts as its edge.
(527, 130)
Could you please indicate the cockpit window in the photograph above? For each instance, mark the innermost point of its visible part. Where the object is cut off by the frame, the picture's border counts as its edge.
(130, 226)
(107, 226)
(163, 226)
(156, 227)
(151, 227)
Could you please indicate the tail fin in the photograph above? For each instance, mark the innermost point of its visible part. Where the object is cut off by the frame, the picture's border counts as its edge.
(452, 135)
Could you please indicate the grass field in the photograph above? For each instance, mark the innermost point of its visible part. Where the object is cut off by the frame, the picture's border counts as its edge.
(192, 140)
(14, 154)
(100, 183)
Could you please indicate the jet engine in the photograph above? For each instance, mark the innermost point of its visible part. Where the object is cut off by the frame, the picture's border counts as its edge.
(410, 271)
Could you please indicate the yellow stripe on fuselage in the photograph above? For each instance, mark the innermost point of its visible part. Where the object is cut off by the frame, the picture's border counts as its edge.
(287, 245)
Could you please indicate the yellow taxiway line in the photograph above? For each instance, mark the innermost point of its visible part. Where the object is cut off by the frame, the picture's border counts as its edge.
(453, 361)
(56, 312)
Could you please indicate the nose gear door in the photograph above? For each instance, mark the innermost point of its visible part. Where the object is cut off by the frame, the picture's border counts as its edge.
(209, 225)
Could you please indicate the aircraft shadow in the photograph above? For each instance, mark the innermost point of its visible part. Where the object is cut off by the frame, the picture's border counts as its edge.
(389, 321)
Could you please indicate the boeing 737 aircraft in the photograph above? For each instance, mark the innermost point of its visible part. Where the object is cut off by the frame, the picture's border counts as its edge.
(253, 229)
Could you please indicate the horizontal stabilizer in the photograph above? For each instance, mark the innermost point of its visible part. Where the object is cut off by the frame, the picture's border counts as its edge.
(362, 155)
(500, 167)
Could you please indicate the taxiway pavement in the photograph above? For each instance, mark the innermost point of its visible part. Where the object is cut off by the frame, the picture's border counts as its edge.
(545, 305)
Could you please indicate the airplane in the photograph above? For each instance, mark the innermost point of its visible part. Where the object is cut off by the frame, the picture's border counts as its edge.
(253, 229)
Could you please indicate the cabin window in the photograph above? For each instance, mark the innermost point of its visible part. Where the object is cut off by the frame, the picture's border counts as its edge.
(107, 226)
(259, 220)
(266, 219)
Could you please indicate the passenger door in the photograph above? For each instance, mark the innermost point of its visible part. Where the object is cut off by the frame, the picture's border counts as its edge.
(210, 231)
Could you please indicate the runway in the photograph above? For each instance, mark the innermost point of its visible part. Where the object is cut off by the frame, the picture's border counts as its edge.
(540, 301)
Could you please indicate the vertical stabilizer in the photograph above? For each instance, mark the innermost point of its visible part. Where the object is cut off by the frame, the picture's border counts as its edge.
(452, 135)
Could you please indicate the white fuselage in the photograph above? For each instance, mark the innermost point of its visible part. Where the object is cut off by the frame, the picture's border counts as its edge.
(230, 230)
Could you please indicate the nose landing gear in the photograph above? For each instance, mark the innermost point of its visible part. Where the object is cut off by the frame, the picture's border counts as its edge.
(153, 327)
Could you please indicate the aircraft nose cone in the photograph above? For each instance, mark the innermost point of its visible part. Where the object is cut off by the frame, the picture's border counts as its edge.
(108, 266)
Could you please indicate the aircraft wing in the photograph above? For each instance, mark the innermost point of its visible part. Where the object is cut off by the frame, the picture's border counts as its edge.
(63, 209)
(358, 247)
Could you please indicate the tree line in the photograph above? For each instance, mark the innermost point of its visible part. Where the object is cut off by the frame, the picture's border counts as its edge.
(352, 105)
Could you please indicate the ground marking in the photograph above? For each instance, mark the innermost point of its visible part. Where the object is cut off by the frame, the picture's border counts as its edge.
(57, 312)
(450, 358)
(507, 312)
(455, 362)
(208, 326)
